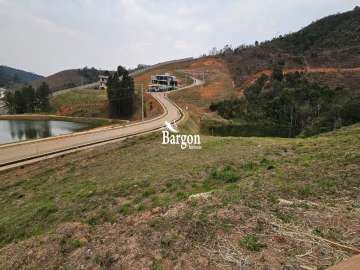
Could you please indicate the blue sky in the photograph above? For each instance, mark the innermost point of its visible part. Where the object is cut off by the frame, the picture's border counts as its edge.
(48, 36)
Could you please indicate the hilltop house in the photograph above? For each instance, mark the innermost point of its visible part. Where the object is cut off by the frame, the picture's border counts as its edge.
(164, 82)
(103, 82)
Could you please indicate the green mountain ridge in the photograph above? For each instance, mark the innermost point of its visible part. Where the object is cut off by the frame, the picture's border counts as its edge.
(333, 41)
(337, 31)
(10, 76)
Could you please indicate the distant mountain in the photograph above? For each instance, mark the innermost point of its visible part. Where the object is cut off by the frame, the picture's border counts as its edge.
(11, 76)
(69, 78)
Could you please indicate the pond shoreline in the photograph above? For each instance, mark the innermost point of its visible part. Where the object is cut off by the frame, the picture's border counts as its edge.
(89, 121)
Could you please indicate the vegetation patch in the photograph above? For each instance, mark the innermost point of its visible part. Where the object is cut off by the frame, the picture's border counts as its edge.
(80, 103)
(67, 245)
(286, 105)
(251, 243)
(226, 174)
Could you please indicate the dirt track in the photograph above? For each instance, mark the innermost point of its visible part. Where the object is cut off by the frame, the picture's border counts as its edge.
(268, 72)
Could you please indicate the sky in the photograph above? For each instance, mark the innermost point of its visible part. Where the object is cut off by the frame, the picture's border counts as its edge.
(47, 36)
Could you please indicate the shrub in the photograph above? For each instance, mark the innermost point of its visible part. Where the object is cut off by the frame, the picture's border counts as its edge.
(125, 209)
(226, 174)
(250, 242)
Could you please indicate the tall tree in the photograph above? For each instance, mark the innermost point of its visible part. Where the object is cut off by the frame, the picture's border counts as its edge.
(28, 100)
(19, 102)
(277, 72)
(120, 93)
(28, 94)
(10, 101)
(42, 97)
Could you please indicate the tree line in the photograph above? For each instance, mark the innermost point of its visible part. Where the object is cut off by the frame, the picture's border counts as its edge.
(337, 31)
(28, 99)
(293, 102)
(90, 74)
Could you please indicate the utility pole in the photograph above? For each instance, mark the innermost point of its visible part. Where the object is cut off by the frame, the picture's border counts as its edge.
(142, 102)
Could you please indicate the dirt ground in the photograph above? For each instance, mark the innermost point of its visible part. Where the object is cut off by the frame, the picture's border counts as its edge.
(217, 87)
(309, 70)
(218, 84)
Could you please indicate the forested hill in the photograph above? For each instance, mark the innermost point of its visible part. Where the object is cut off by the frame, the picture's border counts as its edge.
(69, 78)
(338, 31)
(10, 76)
(333, 41)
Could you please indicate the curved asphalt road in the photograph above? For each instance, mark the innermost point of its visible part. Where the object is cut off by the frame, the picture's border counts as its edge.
(17, 154)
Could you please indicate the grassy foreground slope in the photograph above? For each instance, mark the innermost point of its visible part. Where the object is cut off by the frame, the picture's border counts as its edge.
(238, 202)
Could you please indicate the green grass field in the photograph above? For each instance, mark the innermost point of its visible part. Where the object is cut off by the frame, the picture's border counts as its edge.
(81, 103)
(293, 193)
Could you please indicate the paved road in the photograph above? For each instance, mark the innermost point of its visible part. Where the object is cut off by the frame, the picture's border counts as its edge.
(24, 151)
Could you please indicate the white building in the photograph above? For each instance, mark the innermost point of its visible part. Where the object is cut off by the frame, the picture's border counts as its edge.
(103, 82)
(164, 82)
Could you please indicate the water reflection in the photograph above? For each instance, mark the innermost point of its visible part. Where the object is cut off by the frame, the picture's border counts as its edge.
(27, 130)
(19, 130)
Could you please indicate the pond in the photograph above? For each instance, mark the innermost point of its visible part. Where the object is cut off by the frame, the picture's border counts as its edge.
(20, 130)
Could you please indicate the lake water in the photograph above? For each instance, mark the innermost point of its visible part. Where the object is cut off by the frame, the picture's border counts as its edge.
(20, 130)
